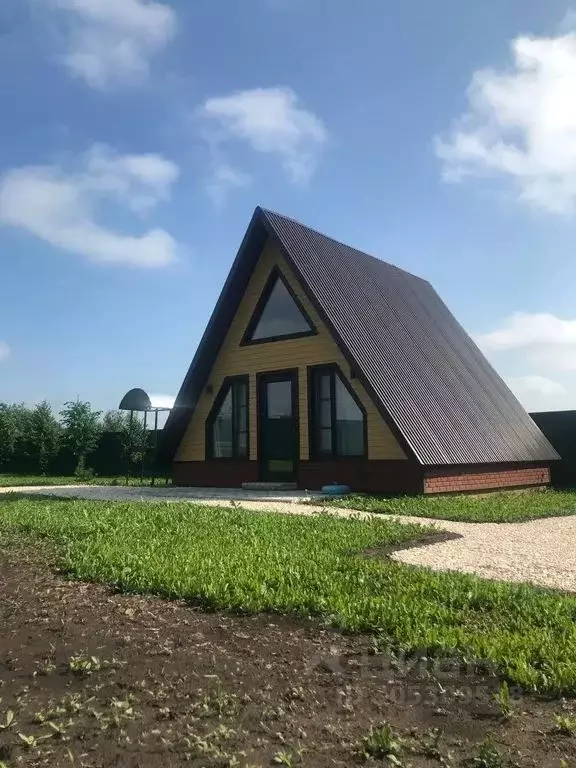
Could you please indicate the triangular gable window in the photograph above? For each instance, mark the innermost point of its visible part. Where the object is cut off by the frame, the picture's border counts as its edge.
(278, 314)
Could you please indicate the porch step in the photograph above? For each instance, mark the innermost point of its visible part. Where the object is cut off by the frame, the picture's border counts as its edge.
(269, 486)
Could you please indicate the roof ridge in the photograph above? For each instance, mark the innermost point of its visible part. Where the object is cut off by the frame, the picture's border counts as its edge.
(267, 212)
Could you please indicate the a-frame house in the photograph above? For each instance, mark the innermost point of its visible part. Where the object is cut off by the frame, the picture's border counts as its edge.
(321, 363)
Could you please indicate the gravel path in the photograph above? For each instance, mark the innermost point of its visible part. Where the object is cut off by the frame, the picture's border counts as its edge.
(541, 552)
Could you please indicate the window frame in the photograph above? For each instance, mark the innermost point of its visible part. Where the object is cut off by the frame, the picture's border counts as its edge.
(273, 277)
(228, 385)
(316, 454)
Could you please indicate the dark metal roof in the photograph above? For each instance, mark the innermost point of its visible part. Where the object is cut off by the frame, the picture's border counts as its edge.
(436, 390)
(135, 400)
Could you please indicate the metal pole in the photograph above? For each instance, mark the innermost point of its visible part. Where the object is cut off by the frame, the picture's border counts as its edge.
(144, 447)
(128, 462)
(155, 443)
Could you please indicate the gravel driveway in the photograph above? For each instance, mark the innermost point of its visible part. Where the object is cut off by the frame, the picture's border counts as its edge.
(542, 552)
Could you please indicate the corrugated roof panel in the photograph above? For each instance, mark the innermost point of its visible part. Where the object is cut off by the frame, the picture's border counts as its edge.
(440, 391)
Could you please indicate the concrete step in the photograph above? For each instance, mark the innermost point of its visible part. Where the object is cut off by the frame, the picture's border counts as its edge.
(269, 486)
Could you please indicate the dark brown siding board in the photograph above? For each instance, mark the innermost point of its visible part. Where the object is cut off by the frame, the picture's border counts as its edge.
(215, 473)
(383, 477)
(379, 476)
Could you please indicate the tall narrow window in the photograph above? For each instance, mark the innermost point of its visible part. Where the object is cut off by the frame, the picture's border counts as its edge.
(278, 314)
(338, 423)
(324, 413)
(349, 422)
(222, 429)
(227, 425)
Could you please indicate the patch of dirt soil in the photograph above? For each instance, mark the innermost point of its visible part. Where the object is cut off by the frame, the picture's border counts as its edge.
(438, 537)
(92, 678)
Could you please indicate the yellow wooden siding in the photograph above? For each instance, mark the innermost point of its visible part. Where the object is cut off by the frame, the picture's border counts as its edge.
(234, 359)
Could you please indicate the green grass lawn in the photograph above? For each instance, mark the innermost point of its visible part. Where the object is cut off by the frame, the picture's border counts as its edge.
(226, 558)
(15, 481)
(491, 508)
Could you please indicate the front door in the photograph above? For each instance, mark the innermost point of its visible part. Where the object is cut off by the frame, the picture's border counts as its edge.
(278, 426)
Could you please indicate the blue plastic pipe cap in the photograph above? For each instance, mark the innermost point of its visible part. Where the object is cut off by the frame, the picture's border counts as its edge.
(335, 489)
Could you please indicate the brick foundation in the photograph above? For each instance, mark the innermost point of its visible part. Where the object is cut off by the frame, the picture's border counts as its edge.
(485, 478)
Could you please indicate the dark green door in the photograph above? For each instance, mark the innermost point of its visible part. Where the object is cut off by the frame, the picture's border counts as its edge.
(278, 426)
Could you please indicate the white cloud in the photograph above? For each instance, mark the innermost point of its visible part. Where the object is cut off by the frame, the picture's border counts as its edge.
(537, 354)
(521, 124)
(162, 401)
(272, 122)
(140, 181)
(223, 179)
(113, 41)
(60, 207)
(538, 384)
(539, 393)
(4, 351)
(543, 338)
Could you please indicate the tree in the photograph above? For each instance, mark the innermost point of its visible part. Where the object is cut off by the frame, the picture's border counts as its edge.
(8, 433)
(82, 430)
(134, 441)
(14, 435)
(133, 436)
(114, 421)
(43, 436)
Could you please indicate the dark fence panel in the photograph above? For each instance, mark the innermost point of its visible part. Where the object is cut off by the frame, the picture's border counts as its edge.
(560, 429)
(105, 461)
(107, 458)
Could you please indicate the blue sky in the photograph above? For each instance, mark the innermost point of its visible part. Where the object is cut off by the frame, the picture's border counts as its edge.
(137, 137)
